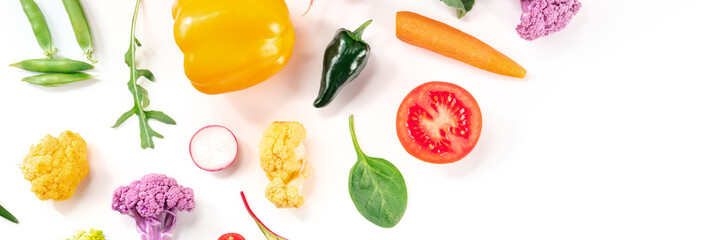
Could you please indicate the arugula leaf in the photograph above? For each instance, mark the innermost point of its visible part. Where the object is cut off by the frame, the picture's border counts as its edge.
(141, 99)
(160, 116)
(462, 6)
(270, 235)
(377, 188)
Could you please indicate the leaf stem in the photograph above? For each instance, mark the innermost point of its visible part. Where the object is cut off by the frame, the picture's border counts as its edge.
(267, 232)
(308, 9)
(132, 35)
(359, 151)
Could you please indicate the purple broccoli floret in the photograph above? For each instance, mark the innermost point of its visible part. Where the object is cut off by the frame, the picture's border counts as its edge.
(543, 17)
(154, 201)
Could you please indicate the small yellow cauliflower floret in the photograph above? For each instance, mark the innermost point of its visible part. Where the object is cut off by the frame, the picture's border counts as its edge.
(281, 156)
(55, 166)
(282, 195)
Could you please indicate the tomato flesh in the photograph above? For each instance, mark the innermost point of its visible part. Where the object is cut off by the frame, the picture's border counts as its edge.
(231, 236)
(439, 122)
(452, 118)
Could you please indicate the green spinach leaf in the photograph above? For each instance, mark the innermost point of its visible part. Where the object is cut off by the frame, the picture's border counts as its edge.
(462, 6)
(377, 188)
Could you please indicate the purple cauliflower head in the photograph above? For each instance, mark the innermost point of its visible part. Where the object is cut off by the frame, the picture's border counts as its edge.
(154, 201)
(543, 17)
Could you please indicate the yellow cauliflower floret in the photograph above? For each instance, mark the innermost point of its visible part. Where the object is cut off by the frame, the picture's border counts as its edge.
(281, 156)
(55, 166)
(282, 195)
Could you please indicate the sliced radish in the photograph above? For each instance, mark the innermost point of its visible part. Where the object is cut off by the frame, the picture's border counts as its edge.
(213, 148)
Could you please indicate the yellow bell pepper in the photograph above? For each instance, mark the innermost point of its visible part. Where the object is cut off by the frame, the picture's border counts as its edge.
(231, 45)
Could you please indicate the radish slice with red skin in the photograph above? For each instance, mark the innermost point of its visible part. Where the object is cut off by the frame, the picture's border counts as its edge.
(213, 148)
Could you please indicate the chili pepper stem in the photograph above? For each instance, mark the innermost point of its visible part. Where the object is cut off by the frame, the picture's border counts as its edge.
(357, 34)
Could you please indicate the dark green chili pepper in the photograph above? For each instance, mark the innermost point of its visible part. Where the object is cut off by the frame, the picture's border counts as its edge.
(49, 65)
(39, 26)
(7, 215)
(57, 79)
(80, 26)
(345, 57)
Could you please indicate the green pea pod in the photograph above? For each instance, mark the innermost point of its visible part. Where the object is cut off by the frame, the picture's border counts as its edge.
(345, 57)
(49, 65)
(7, 215)
(80, 26)
(39, 26)
(57, 79)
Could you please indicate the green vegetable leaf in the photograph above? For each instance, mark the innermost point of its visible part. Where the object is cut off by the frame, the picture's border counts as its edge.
(129, 54)
(377, 188)
(129, 58)
(7, 215)
(147, 74)
(124, 117)
(270, 235)
(160, 116)
(141, 99)
(462, 6)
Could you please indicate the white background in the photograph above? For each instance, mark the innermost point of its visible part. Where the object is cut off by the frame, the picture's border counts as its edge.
(614, 133)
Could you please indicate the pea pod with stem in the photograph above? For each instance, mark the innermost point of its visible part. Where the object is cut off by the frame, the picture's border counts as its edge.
(58, 79)
(141, 100)
(80, 26)
(50, 65)
(39, 26)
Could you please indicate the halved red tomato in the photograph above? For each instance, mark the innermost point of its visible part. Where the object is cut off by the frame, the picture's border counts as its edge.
(439, 122)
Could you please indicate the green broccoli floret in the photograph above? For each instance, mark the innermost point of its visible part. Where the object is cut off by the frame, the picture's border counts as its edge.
(92, 234)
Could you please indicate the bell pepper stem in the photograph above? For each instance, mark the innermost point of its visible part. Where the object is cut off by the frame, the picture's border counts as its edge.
(357, 34)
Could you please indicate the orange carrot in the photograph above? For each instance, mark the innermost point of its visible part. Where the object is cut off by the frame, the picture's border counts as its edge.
(445, 40)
